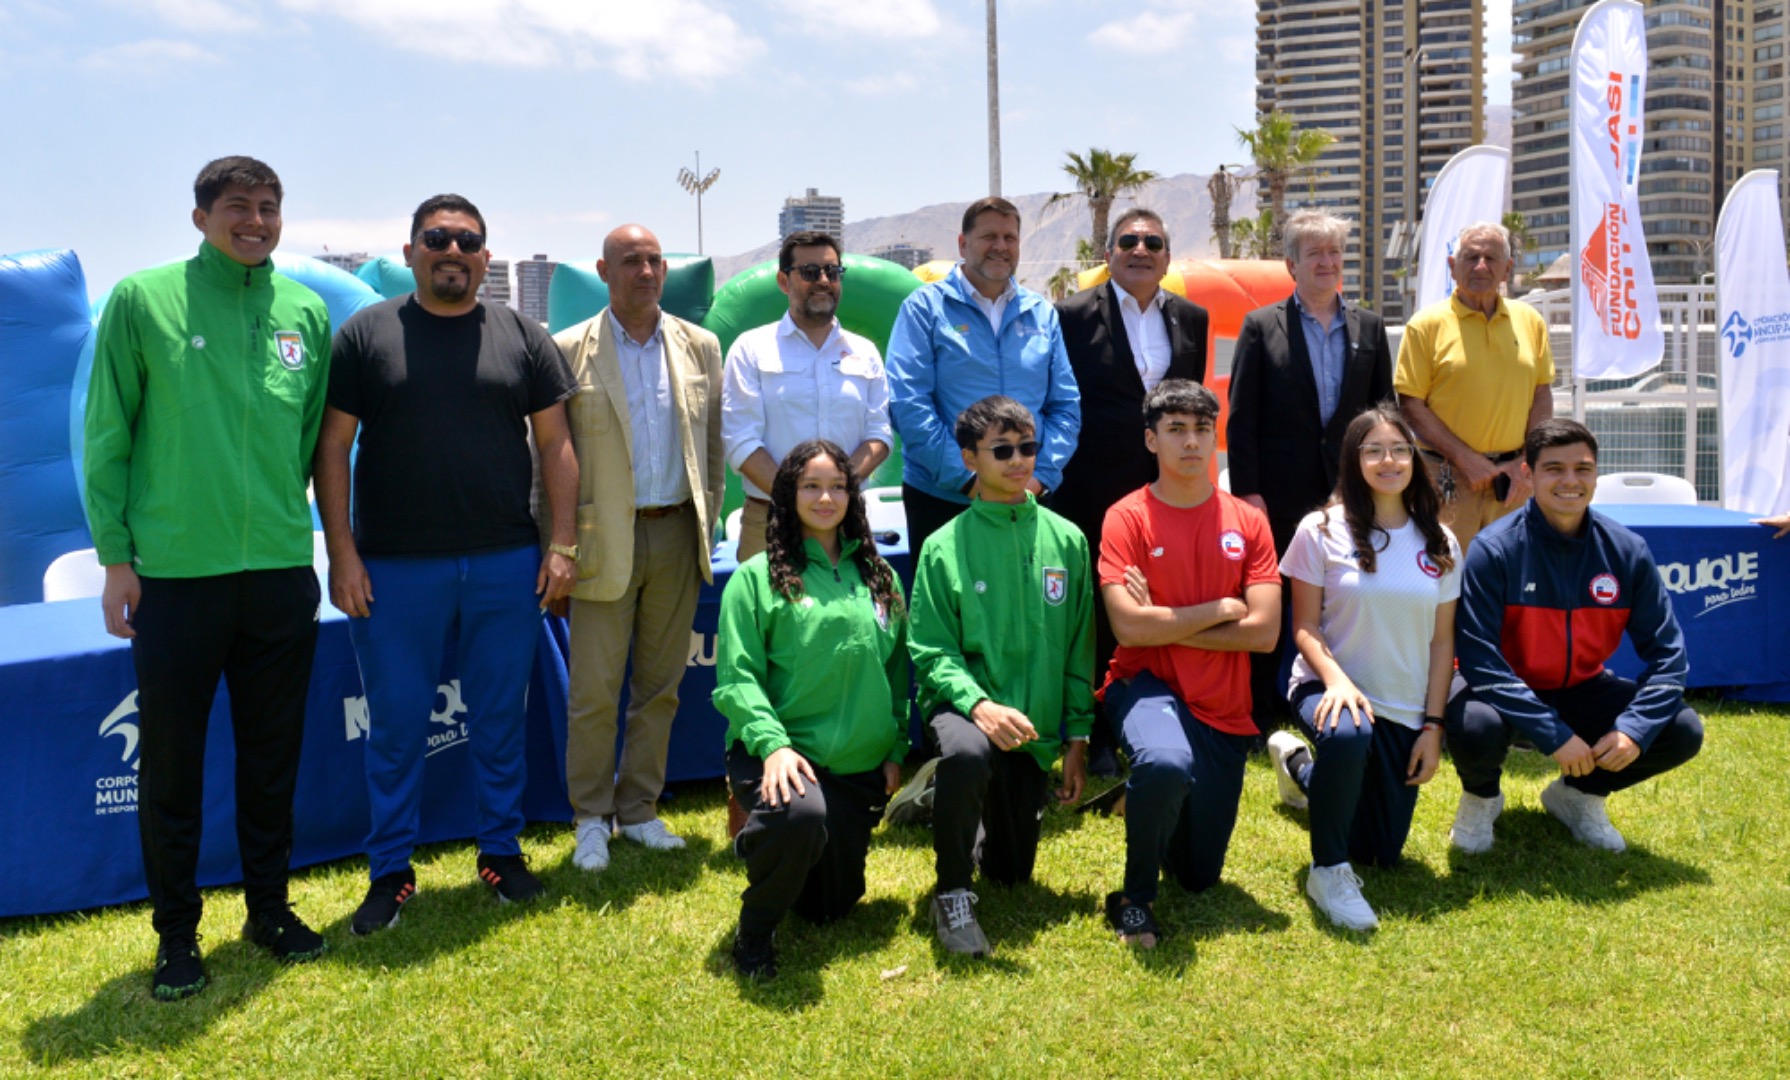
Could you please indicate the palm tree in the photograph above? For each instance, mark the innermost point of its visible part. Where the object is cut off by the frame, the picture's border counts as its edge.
(1087, 254)
(1222, 186)
(1102, 176)
(1254, 237)
(1279, 151)
(1521, 244)
(1061, 283)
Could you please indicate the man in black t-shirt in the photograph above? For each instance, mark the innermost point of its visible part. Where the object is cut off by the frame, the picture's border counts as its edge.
(443, 390)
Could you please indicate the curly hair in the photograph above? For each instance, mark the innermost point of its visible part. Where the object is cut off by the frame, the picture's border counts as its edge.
(783, 535)
(1357, 499)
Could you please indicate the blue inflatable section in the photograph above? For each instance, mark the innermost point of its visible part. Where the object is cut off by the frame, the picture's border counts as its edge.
(45, 324)
(388, 276)
(344, 293)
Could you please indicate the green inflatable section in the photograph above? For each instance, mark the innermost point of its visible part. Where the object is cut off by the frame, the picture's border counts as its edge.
(577, 292)
(388, 275)
(870, 296)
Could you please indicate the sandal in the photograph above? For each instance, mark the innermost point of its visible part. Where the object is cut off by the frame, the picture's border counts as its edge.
(1132, 922)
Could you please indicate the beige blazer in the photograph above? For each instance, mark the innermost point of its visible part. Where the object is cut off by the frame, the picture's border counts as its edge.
(603, 436)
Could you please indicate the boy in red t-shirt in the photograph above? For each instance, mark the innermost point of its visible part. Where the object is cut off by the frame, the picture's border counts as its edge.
(1192, 586)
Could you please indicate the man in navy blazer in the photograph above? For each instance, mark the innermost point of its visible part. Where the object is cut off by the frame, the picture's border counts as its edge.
(1302, 370)
(1123, 337)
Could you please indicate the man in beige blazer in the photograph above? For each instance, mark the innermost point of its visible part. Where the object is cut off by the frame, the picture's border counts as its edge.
(646, 424)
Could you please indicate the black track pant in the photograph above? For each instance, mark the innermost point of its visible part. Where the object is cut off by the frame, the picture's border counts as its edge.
(987, 806)
(258, 630)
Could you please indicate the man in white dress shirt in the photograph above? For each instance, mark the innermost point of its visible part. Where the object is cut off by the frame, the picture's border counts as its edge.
(802, 377)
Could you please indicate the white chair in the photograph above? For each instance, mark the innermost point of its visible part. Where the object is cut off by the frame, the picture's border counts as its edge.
(1224, 480)
(75, 575)
(886, 511)
(1645, 487)
(730, 529)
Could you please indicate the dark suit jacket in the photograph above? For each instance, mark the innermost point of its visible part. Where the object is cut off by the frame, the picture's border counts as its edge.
(1279, 448)
(1110, 459)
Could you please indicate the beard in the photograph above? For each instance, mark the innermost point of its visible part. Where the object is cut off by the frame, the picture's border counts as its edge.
(820, 305)
(450, 290)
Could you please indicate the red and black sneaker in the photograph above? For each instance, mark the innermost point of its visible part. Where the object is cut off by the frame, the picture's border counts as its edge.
(510, 876)
(385, 896)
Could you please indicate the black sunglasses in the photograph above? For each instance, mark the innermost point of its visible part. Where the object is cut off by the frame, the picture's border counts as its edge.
(1005, 451)
(1151, 242)
(439, 239)
(813, 271)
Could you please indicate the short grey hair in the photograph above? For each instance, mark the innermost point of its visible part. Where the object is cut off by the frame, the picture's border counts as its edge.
(1309, 225)
(1137, 213)
(1484, 228)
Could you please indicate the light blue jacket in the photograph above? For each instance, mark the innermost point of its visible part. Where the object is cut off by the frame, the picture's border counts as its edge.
(944, 357)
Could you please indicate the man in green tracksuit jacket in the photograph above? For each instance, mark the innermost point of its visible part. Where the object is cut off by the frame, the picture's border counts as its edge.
(1003, 644)
(202, 414)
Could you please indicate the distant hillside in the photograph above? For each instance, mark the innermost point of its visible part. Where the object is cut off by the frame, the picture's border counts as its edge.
(1047, 239)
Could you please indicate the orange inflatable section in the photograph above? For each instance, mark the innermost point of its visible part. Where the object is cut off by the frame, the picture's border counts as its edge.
(1228, 289)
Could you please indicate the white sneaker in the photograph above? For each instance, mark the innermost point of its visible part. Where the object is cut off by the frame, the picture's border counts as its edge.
(1583, 814)
(1472, 831)
(653, 834)
(593, 845)
(913, 803)
(1337, 892)
(1281, 746)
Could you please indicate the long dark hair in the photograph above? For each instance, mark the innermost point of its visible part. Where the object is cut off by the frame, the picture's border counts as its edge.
(1357, 499)
(783, 536)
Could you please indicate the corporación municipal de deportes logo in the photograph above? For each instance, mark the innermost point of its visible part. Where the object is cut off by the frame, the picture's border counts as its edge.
(1739, 332)
(117, 793)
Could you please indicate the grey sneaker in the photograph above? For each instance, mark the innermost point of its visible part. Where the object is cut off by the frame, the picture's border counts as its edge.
(593, 845)
(653, 835)
(1281, 746)
(954, 916)
(1472, 831)
(912, 805)
(1583, 814)
(1337, 892)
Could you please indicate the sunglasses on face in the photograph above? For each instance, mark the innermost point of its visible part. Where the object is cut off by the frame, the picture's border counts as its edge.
(1374, 453)
(1005, 451)
(812, 271)
(439, 239)
(1151, 242)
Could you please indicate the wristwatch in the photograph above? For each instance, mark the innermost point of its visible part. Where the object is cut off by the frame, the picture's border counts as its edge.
(570, 551)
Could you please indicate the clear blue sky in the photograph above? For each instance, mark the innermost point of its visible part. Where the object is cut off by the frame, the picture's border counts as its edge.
(562, 119)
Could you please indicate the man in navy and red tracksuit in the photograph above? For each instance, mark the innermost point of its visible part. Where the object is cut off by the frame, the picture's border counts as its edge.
(1545, 598)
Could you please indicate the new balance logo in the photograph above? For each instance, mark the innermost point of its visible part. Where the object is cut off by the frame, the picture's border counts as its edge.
(1530, 587)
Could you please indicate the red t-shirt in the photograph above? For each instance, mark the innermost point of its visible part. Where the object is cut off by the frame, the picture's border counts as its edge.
(1190, 556)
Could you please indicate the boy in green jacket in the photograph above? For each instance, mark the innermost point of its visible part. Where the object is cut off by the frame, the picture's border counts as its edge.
(1002, 638)
(202, 414)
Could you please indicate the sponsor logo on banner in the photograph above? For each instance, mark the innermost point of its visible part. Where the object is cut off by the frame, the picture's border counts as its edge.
(1605, 590)
(117, 793)
(1739, 331)
(1608, 270)
(1056, 584)
(448, 719)
(702, 650)
(1717, 581)
(1231, 543)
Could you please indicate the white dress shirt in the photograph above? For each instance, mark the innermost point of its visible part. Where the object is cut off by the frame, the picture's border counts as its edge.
(778, 390)
(997, 307)
(1149, 336)
(659, 478)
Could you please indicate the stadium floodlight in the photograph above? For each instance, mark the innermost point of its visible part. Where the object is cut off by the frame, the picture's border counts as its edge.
(696, 187)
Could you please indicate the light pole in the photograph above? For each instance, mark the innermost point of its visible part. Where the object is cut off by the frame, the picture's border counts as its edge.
(696, 187)
(994, 106)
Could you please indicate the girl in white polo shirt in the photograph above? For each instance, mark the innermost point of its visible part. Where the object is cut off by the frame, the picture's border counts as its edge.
(1374, 576)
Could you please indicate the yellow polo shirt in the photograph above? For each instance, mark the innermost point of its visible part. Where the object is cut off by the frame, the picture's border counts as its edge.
(1477, 375)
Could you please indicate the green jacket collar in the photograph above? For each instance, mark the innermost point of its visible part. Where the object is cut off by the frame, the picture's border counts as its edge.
(221, 269)
(817, 555)
(995, 511)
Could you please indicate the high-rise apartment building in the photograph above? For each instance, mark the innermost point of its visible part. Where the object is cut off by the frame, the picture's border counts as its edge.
(904, 254)
(496, 289)
(1688, 157)
(813, 211)
(534, 277)
(1394, 82)
(349, 263)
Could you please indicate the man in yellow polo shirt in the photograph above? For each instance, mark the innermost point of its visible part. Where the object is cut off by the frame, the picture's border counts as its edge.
(1474, 375)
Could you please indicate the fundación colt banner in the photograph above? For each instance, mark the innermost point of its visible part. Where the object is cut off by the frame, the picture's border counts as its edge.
(1753, 310)
(1468, 190)
(1615, 310)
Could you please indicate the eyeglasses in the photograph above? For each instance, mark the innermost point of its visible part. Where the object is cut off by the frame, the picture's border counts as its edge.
(813, 271)
(1005, 451)
(1151, 242)
(439, 239)
(1374, 453)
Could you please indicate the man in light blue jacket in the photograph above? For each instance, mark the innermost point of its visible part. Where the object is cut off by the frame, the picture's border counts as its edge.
(959, 340)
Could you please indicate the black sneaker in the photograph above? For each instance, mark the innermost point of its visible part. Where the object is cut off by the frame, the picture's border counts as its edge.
(510, 876)
(285, 935)
(179, 973)
(386, 894)
(754, 955)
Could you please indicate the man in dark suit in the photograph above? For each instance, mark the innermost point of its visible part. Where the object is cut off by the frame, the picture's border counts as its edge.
(1302, 370)
(1123, 337)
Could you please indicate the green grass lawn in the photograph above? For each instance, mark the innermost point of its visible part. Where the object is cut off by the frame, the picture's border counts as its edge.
(1540, 958)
